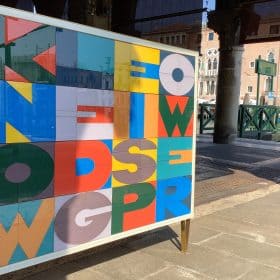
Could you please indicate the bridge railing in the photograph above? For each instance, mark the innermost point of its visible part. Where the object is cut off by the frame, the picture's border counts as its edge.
(253, 121)
(206, 117)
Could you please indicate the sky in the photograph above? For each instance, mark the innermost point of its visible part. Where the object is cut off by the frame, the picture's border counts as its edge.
(210, 4)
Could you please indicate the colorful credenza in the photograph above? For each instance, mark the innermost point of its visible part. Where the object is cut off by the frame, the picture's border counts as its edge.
(97, 137)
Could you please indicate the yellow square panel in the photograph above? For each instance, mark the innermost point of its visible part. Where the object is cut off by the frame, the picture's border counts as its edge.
(136, 68)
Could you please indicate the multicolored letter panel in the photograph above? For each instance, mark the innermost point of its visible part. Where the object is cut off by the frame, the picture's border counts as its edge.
(96, 138)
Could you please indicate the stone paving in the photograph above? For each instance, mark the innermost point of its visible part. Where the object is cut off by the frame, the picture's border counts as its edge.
(235, 235)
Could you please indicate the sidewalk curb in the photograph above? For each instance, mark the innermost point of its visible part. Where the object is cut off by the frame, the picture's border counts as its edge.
(243, 142)
(229, 202)
(227, 162)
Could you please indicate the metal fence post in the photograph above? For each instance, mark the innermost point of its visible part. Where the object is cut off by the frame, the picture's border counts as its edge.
(241, 120)
(201, 119)
(260, 123)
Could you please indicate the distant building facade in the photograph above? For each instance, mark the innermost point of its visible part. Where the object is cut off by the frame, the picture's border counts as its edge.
(263, 25)
(268, 29)
(209, 63)
(268, 51)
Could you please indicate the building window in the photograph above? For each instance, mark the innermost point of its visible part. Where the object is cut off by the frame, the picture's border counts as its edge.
(201, 88)
(215, 64)
(202, 65)
(161, 39)
(270, 57)
(173, 40)
(183, 39)
(167, 40)
(208, 88)
(212, 88)
(268, 84)
(178, 40)
(252, 64)
(210, 36)
(250, 89)
(274, 29)
(209, 64)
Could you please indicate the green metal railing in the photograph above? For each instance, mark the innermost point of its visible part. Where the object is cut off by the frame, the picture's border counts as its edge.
(256, 121)
(206, 117)
(253, 121)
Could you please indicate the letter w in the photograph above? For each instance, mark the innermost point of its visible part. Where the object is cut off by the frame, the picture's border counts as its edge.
(30, 237)
(176, 114)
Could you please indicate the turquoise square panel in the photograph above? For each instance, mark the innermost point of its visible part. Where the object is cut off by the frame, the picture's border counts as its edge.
(95, 53)
(171, 161)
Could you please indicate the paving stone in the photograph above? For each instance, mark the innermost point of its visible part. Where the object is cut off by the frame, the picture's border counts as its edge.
(206, 261)
(215, 264)
(246, 249)
(53, 274)
(135, 265)
(262, 273)
(199, 234)
(178, 273)
(243, 229)
(87, 274)
(255, 213)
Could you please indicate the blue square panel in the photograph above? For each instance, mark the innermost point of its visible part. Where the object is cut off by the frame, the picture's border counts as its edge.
(66, 48)
(29, 113)
(173, 198)
(44, 114)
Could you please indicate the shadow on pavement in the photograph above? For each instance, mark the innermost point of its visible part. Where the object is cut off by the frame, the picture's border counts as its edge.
(59, 269)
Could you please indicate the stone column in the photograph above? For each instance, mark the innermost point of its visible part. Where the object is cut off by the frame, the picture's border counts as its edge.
(227, 24)
(228, 92)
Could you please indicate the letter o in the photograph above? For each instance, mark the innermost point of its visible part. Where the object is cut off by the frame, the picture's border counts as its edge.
(176, 63)
(41, 171)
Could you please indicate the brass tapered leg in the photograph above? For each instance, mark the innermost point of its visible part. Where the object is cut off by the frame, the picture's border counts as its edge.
(185, 229)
